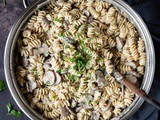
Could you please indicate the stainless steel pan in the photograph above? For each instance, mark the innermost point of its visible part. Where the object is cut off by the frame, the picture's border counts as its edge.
(10, 51)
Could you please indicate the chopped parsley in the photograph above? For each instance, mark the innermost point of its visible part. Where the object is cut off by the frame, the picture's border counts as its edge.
(55, 97)
(48, 83)
(57, 20)
(67, 46)
(73, 78)
(59, 71)
(90, 102)
(2, 85)
(78, 35)
(100, 60)
(90, 39)
(9, 107)
(60, 34)
(13, 112)
(80, 63)
(103, 68)
(76, 26)
(96, 101)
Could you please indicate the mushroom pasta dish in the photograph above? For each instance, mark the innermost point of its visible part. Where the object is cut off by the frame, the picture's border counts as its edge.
(67, 54)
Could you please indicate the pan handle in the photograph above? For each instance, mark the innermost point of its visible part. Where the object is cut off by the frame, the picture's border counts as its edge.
(25, 3)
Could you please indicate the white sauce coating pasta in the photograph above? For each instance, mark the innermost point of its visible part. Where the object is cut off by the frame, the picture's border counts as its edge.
(67, 56)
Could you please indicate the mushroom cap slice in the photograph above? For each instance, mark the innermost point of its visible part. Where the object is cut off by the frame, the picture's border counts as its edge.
(58, 78)
(131, 78)
(49, 78)
(95, 115)
(31, 86)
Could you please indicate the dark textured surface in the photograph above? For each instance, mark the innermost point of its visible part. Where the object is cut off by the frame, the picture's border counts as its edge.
(8, 15)
(12, 11)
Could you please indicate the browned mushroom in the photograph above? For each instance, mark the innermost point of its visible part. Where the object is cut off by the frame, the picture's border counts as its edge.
(49, 78)
(101, 78)
(64, 112)
(70, 111)
(95, 115)
(41, 50)
(68, 40)
(25, 62)
(66, 25)
(86, 12)
(134, 73)
(31, 86)
(131, 78)
(58, 78)
(46, 21)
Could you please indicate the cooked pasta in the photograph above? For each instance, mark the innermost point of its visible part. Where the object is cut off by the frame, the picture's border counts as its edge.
(67, 56)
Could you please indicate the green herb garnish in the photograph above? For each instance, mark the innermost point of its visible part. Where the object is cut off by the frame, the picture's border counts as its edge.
(2, 85)
(55, 97)
(90, 39)
(89, 102)
(59, 71)
(100, 60)
(9, 107)
(60, 34)
(66, 46)
(75, 78)
(103, 68)
(80, 63)
(76, 27)
(48, 83)
(13, 112)
(78, 35)
(57, 20)
(96, 101)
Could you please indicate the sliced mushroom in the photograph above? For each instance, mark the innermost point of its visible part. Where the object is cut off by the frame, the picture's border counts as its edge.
(99, 74)
(31, 86)
(90, 19)
(49, 78)
(86, 12)
(41, 50)
(58, 78)
(64, 112)
(70, 111)
(95, 115)
(120, 43)
(134, 73)
(47, 66)
(68, 40)
(46, 21)
(131, 78)
(79, 108)
(101, 78)
(132, 64)
(66, 25)
(118, 76)
(25, 62)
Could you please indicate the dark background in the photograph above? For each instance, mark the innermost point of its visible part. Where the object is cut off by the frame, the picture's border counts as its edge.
(149, 11)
